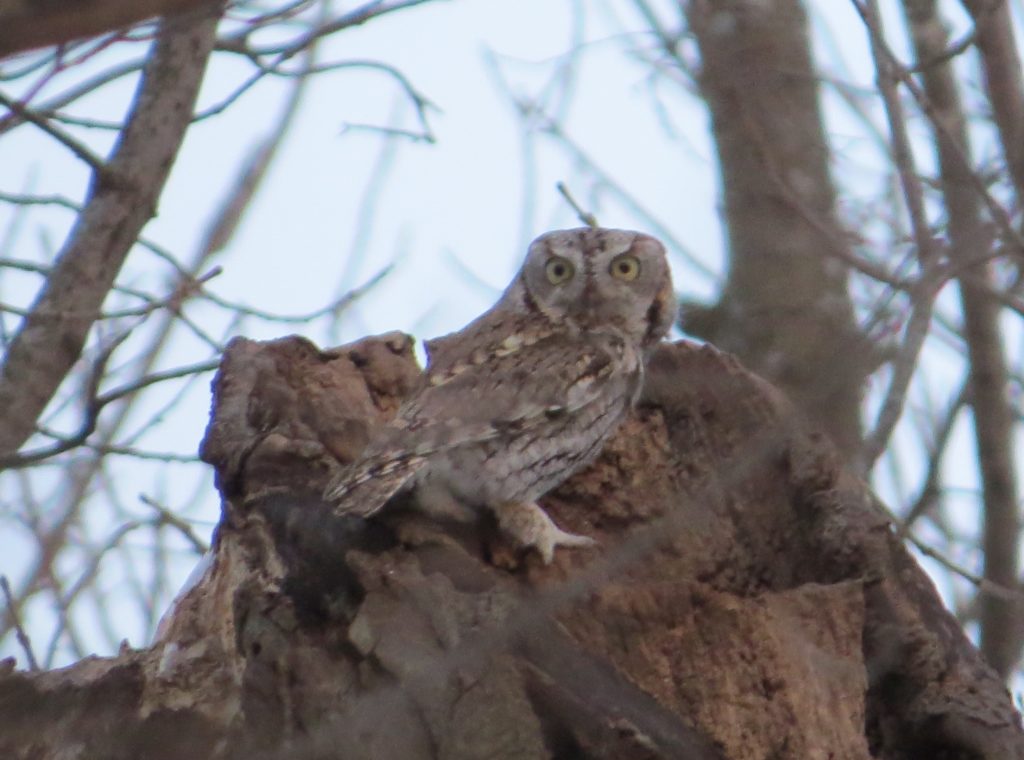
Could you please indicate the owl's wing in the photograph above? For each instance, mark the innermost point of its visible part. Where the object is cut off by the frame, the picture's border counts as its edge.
(365, 486)
(466, 403)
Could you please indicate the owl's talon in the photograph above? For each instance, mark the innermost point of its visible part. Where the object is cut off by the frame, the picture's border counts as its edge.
(562, 538)
(531, 527)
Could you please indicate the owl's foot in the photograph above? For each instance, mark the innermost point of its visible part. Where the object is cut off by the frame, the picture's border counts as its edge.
(530, 526)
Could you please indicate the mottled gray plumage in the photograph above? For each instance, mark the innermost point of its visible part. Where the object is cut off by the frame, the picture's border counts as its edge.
(525, 395)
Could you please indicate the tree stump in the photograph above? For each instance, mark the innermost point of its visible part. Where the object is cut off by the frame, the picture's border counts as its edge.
(748, 599)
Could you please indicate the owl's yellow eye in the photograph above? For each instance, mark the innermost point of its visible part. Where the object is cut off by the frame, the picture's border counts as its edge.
(625, 267)
(558, 270)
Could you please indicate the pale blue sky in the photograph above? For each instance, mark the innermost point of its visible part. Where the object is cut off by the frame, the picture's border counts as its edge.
(445, 210)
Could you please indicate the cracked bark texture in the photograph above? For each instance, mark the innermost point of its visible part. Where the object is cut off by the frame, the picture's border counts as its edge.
(748, 600)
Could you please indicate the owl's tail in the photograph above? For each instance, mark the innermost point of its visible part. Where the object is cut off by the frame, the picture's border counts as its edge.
(364, 487)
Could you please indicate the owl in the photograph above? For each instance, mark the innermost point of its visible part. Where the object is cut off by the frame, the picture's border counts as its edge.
(526, 395)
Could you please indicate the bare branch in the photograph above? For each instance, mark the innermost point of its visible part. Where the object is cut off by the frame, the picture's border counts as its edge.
(584, 216)
(964, 193)
(104, 449)
(333, 309)
(50, 109)
(355, 17)
(167, 517)
(984, 584)
(23, 639)
(100, 169)
(95, 402)
(902, 152)
(958, 155)
(24, 26)
(903, 368)
(930, 484)
(1004, 85)
(47, 343)
(534, 112)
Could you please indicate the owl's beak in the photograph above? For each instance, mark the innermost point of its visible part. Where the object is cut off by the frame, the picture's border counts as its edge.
(588, 298)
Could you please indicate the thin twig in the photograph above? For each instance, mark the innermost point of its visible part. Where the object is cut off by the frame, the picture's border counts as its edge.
(929, 491)
(79, 149)
(584, 216)
(94, 405)
(898, 71)
(984, 585)
(335, 308)
(166, 517)
(903, 368)
(546, 125)
(136, 453)
(19, 631)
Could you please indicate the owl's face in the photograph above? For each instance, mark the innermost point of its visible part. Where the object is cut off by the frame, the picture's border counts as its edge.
(598, 278)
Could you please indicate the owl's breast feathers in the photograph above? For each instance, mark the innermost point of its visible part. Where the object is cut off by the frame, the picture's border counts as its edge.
(497, 390)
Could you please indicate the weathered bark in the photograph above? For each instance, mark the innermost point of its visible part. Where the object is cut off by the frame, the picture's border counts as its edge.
(748, 600)
(784, 309)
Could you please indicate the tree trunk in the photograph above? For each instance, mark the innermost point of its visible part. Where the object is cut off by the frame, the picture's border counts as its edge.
(748, 600)
(784, 310)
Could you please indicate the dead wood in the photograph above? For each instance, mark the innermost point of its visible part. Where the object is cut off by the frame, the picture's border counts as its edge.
(748, 600)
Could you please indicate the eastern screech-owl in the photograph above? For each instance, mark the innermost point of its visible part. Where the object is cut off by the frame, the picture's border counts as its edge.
(526, 394)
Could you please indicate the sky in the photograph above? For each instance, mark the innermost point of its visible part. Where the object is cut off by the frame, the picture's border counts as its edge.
(453, 218)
